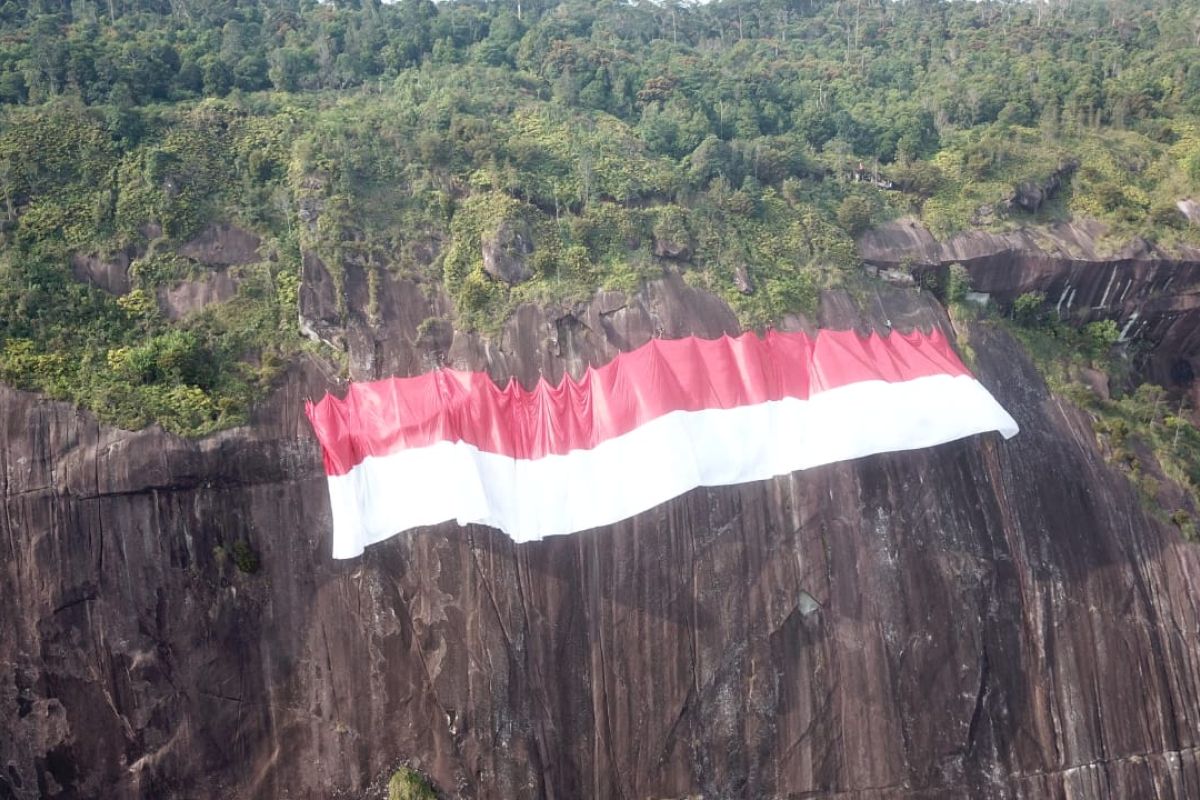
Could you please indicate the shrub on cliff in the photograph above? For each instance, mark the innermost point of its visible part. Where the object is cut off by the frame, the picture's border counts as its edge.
(854, 214)
(244, 557)
(1029, 308)
(408, 784)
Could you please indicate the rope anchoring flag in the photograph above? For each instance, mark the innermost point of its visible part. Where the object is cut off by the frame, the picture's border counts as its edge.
(648, 426)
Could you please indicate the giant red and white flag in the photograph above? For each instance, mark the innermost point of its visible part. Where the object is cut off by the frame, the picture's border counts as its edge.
(648, 426)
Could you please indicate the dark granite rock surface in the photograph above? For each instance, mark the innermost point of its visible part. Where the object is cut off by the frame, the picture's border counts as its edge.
(984, 619)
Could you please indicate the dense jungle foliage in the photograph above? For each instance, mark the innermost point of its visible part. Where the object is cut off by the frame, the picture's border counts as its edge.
(744, 142)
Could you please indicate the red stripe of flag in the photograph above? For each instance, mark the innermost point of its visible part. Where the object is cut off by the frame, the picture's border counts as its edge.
(690, 374)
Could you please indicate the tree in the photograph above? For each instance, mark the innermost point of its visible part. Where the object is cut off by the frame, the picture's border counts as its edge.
(711, 158)
(1029, 308)
(12, 87)
(251, 73)
(287, 67)
(191, 77)
(217, 76)
(854, 214)
(121, 117)
(958, 283)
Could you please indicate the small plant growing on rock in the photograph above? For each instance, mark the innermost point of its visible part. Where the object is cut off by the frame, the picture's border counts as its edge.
(1187, 526)
(1127, 459)
(244, 557)
(1115, 429)
(408, 784)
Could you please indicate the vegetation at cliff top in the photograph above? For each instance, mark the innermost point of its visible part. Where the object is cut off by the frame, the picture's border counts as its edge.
(741, 143)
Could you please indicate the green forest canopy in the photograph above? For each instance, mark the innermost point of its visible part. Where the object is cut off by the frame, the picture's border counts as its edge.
(734, 137)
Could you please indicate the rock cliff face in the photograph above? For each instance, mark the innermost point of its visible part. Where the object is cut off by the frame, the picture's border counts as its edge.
(984, 619)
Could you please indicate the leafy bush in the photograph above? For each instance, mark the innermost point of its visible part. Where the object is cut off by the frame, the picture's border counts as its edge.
(244, 557)
(1029, 308)
(854, 214)
(1101, 336)
(1186, 524)
(958, 283)
(408, 784)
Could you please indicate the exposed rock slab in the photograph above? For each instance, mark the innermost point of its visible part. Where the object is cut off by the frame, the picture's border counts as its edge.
(187, 297)
(321, 313)
(223, 244)
(983, 619)
(109, 273)
(907, 240)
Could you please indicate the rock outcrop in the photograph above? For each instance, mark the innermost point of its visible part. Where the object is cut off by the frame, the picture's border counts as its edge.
(676, 248)
(1190, 210)
(506, 252)
(742, 279)
(1152, 293)
(108, 273)
(986, 619)
(182, 298)
(222, 244)
(1030, 196)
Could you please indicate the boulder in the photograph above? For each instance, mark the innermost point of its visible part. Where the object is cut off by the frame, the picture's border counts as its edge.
(506, 252)
(677, 249)
(1029, 196)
